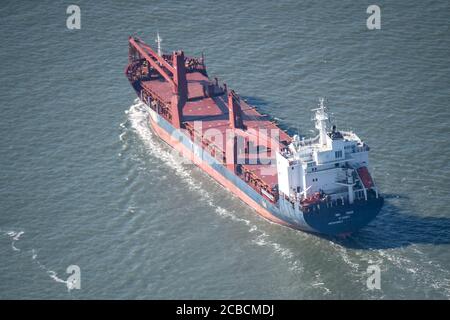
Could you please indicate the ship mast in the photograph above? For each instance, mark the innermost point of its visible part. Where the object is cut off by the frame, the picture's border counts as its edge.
(158, 40)
(321, 118)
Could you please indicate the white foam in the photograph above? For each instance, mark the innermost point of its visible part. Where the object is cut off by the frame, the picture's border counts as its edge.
(319, 284)
(427, 269)
(15, 236)
(424, 270)
(33, 254)
(54, 276)
(343, 253)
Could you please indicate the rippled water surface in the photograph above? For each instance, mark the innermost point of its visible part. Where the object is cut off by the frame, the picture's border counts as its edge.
(84, 180)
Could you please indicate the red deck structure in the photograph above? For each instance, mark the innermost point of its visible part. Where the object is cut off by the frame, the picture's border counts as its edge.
(178, 88)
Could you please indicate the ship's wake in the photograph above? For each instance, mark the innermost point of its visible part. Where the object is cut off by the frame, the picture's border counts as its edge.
(15, 237)
(406, 266)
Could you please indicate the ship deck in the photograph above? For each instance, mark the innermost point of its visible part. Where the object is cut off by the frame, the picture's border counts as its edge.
(196, 81)
(213, 114)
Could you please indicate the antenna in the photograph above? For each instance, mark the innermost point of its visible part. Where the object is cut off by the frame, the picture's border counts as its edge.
(321, 118)
(158, 40)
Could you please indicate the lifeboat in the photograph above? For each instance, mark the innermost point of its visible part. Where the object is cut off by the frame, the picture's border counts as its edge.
(366, 179)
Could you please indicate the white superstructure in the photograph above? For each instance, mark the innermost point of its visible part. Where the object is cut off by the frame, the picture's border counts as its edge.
(329, 165)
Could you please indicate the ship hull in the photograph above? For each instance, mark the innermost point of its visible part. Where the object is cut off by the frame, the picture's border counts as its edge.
(338, 220)
(346, 219)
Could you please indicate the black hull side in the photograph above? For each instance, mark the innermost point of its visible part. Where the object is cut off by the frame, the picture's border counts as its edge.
(344, 219)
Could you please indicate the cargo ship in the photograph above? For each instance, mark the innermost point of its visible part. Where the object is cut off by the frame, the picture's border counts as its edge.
(319, 185)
